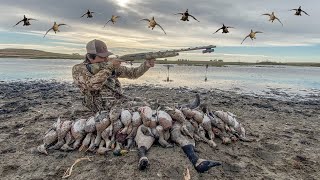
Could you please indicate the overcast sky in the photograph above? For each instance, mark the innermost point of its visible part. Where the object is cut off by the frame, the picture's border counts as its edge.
(297, 40)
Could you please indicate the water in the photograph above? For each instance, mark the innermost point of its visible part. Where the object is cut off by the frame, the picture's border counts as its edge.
(245, 79)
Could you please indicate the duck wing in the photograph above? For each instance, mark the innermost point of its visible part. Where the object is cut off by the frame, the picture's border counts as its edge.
(47, 32)
(194, 18)
(107, 23)
(18, 23)
(279, 21)
(305, 12)
(161, 28)
(145, 20)
(217, 30)
(244, 39)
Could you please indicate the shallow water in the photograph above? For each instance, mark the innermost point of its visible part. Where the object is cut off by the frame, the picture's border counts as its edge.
(267, 80)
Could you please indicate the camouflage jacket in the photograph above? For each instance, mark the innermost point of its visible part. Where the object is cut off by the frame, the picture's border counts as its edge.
(104, 84)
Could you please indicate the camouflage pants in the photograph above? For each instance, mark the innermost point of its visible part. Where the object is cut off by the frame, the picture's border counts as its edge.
(109, 96)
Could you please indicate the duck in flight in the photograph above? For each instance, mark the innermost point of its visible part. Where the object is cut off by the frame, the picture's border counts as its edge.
(55, 28)
(185, 16)
(224, 29)
(153, 24)
(272, 17)
(298, 11)
(88, 13)
(113, 20)
(25, 20)
(252, 35)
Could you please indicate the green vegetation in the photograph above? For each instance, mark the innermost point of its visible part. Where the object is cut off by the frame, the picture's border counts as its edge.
(36, 54)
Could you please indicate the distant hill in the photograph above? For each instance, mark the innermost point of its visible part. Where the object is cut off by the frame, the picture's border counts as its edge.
(35, 54)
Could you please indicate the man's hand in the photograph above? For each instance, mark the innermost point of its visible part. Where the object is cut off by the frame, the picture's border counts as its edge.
(116, 62)
(150, 62)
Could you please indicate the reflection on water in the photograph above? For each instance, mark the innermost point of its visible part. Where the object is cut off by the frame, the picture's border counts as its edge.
(247, 79)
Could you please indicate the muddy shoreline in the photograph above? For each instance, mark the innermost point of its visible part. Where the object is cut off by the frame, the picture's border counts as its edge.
(288, 133)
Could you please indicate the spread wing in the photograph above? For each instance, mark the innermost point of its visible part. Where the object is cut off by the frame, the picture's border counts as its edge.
(229, 27)
(244, 39)
(178, 13)
(83, 15)
(145, 20)
(217, 30)
(117, 17)
(305, 13)
(161, 28)
(18, 23)
(266, 14)
(194, 18)
(62, 25)
(47, 32)
(32, 19)
(293, 10)
(259, 31)
(279, 21)
(107, 23)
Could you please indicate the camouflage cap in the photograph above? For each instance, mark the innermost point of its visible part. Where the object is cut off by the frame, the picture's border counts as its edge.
(98, 47)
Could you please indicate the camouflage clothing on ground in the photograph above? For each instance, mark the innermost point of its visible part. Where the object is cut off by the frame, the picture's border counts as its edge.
(103, 90)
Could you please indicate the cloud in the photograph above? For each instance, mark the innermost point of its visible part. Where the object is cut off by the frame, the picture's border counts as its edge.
(131, 33)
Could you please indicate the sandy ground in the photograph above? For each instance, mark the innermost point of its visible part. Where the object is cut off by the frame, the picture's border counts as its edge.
(288, 134)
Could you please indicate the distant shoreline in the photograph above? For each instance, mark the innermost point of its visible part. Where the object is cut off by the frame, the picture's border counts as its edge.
(188, 63)
(37, 54)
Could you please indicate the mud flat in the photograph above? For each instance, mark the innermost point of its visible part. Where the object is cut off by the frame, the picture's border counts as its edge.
(288, 134)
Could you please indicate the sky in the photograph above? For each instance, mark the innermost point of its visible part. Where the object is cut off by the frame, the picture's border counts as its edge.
(298, 40)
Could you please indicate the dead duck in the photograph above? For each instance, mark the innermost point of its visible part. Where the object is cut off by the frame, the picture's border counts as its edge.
(252, 35)
(92, 147)
(106, 136)
(69, 140)
(90, 126)
(88, 13)
(125, 118)
(178, 137)
(77, 131)
(198, 116)
(86, 142)
(206, 124)
(144, 139)
(153, 24)
(102, 122)
(50, 137)
(163, 136)
(224, 29)
(202, 134)
(63, 127)
(298, 11)
(222, 135)
(25, 20)
(113, 19)
(272, 17)
(188, 112)
(178, 116)
(146, 115)
(185, 16)
(102, 149)
(114, 114)
(135, 123)
(55, 28)
(165, 120)
(116, 126)
(236, 127)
